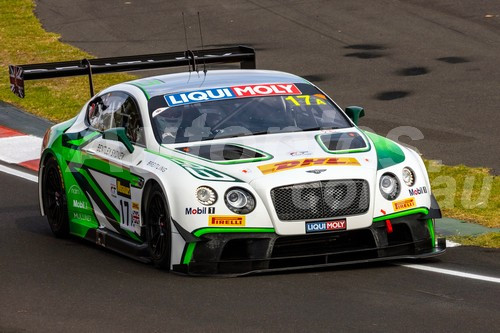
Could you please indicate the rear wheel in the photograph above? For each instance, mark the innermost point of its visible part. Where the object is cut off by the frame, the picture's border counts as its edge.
(54, 198)
(158, 227)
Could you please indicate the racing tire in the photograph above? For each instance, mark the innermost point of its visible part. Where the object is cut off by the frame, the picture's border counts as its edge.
(54, 198)
(158, 231)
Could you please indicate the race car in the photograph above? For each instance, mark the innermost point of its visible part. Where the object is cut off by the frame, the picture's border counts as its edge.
(229, 171)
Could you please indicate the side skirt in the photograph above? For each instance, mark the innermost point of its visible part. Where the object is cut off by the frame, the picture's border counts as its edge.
(119, 243)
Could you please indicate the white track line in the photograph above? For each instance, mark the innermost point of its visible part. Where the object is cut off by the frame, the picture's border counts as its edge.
(454, 273)
(17, 149)
(450, 243)
(18, 173)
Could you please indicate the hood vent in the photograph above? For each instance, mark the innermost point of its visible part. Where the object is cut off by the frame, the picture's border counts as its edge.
(224, 152)
(342, 142)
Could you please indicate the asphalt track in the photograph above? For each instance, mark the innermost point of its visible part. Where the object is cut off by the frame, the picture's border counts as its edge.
(47, 284)
(430, 65)
(54, 285)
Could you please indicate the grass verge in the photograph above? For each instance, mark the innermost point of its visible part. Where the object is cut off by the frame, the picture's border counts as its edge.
(491, 240)
(467, 194)
(24, 41)
(470, 194)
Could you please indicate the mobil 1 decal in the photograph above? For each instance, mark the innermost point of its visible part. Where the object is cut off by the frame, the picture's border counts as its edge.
(417, 190)
(252, 90)
(199, 210)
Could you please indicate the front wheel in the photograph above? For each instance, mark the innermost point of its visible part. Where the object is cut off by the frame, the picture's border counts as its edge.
(158, 233)
(54, 198)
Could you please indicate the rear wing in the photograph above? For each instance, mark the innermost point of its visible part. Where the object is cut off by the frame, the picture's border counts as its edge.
(192, 58)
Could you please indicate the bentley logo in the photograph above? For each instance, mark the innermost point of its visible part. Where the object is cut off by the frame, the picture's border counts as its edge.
(316, 171)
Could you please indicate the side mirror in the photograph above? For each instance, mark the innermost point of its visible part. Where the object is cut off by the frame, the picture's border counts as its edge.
(119, 134)
(355, 112)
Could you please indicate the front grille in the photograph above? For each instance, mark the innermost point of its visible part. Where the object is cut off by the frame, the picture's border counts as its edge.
(321, 199)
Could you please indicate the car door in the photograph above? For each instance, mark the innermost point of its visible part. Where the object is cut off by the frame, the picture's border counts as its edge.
(119, 145)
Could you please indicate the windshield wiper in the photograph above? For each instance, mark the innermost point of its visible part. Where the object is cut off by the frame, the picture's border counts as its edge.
(237, 135)
(319, 128)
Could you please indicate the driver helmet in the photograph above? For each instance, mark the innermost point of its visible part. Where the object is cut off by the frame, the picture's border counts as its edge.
(170, 118)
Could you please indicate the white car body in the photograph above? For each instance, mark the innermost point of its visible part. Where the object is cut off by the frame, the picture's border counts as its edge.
(181, 173)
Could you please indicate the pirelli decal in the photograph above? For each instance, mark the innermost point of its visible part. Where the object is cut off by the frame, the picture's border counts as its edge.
(404, 204)
(226, 221)
(307, 162)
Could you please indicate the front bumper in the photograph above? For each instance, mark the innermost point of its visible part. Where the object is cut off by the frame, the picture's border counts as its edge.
(222, 252)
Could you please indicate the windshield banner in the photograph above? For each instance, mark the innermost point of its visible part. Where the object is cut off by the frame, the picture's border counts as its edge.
(252, 90)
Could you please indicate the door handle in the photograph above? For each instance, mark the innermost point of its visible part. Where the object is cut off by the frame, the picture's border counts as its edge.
(90, 152)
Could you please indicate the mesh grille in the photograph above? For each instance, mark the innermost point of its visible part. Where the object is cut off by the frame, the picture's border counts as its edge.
(322, 199)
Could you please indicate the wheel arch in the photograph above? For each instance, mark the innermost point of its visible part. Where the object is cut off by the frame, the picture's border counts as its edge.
(47, 153)
(147, 187)
(150, 183)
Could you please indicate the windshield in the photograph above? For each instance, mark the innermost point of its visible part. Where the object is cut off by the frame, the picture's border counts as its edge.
(220, 113)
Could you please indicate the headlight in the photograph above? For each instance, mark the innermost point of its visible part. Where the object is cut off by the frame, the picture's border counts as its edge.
(239, 200)
(389, 186)
(206, 195)
(408, 176)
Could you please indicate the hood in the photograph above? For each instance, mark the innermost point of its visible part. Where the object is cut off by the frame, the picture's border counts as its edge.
(282, 157)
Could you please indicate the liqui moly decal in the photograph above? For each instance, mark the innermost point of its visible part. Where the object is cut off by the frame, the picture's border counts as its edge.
(265, 90)
(252, 90)
(326, 226)
(199, 96)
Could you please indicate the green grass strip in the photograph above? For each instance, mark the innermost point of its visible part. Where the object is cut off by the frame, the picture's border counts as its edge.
(23, 42)
(467, 194)
(490, 240)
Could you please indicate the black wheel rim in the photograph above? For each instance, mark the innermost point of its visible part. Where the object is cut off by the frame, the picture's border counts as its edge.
(157, 219)
(54, 197)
